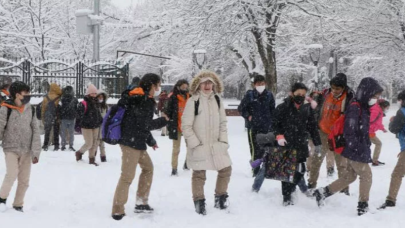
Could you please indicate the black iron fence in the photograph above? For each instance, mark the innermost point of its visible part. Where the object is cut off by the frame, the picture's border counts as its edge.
(109, 76)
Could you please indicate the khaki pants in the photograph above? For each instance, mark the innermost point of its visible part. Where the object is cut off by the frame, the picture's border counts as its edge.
(17, 167)
(130, 159)
(316, 161)
(176, 151)
(377, 150)
(91, 141)
(102, 148)
(396, 178)
(198, 182)
(351, 171)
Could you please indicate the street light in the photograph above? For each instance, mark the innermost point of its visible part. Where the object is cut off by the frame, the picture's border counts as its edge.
(199, 59)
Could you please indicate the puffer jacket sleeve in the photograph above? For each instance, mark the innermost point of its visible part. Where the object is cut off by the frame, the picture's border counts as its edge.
(396, 125)
(243, 106)
(36, 138)
(187, 123)
(223, 128)
(278, 120)
(3, 121)
(352, 126)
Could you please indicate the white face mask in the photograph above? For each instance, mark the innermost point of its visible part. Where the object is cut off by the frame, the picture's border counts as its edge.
(100, 101)
(260, 89)
(372, 102)
(157, 93)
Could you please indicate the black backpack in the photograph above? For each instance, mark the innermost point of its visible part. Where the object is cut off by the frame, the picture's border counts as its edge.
(39, 111)
(197, 104)
(50, 111)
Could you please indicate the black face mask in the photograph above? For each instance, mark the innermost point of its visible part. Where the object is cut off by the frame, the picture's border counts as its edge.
(26, 99)
(184, 91)
(299, 99)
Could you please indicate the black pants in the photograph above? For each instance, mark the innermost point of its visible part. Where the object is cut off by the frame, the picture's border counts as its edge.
(288, 188)
(48, 127)
(256, 151)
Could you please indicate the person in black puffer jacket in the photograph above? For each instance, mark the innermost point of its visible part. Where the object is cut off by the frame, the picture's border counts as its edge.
(68, 112)
(135, 135)
(90, 122)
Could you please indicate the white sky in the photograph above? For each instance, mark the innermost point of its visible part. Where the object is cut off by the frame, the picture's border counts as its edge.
(123, 4)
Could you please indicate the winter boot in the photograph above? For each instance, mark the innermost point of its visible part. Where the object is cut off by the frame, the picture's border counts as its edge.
(63, 148)
(103, 158)
(311, 186)
(92, 161)
(345, 191)
(118, 216)
(321, 194)
(71, 148)
(388, 203)
(331, 171)
(143, 209)
(78, 155)
(221, 201)
(287, 201)
(56, 148)
(185, 166)
(174, 172)
(200, 207)
(19, 209)
(3, 205)
(45, 148)
(362, 208)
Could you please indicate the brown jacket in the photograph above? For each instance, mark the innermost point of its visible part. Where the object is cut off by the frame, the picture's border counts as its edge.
(54, 92)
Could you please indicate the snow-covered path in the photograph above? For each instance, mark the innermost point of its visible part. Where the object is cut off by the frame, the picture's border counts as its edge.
(64, 193)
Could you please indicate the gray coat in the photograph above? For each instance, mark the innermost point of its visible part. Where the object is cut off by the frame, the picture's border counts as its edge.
(22, 134)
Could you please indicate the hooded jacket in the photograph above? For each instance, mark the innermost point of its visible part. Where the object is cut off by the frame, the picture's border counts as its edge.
(357, 122)
(89, 118)
(68, 109)
(54, 92)
(103, 105)
(206, 134)
(22, 133)
(138, 119)
(376, 119)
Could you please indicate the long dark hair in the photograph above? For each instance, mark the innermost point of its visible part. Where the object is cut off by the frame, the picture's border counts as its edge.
(103, 105)
(148, 80)
(176, 89)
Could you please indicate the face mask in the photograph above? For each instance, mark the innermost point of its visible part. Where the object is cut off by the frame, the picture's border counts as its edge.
(372, 102)
(299, 99)
(260, 89)
(100, 101)
(157, 93)
(26, 99)
(184, 91)
(385, 111)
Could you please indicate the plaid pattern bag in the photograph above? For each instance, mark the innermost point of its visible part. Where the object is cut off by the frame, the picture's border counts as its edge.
(281, 164)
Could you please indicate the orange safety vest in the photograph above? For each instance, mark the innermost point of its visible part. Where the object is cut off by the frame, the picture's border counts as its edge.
(332, 109)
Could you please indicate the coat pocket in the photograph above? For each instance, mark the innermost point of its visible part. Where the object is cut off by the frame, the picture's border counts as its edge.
(199, 153)
(220, 155)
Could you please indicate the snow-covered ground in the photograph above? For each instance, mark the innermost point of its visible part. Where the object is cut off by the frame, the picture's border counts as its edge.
(64, 193)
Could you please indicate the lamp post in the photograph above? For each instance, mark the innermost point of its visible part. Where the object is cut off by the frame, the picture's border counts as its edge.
(315, 60)
(199, 60)
(96, 33)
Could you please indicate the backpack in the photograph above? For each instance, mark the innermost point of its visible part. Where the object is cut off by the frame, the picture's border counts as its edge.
(336, 141)
(50, 111)
(78, 127)
(39, 111)
(197, 104)
(9, 113)
(111, 126)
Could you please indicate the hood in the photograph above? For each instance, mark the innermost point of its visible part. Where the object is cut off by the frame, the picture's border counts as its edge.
(137, 91)
(195, 84)
(367, 89)
(102, 93)
(68, 91)
(55, 90)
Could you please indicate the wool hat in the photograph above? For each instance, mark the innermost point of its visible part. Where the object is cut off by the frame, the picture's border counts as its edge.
(91, 89)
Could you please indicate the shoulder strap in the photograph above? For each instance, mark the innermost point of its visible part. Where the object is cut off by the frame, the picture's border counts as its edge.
(378, 116)
(344, 104)
(8, 114)
(218, 100)
(85, 105)
(196, 105)
(33, 111)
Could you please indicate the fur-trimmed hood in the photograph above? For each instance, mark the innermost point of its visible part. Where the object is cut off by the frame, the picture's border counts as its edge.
(218, 87)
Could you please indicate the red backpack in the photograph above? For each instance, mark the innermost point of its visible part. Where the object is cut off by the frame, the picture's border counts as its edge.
(336, 141)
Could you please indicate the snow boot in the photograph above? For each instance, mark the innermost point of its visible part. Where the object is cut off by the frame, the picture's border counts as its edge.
(362, 208)
(345, 191)
(388, 203)
(55, 148)
(118, 216)
(71, 148)
(321, 194)
(45, 148)
(3, 205)
(92, 161)
(103, 158)
(331, 172)
(63, 148)
(287, 201)
(174, 172)
(221, 201)
(143, 209)
(19, 209)
(78, 155)
(185, 167)
(200, 207)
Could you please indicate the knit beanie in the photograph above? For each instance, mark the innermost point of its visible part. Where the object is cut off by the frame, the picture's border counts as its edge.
(91, 89)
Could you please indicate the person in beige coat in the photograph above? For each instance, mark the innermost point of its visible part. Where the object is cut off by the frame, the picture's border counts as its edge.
(21, 143)
(204, 127)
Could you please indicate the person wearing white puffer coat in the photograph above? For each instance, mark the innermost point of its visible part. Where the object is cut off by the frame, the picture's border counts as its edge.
(204, 127)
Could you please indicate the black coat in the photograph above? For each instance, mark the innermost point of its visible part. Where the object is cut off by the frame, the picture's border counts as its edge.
(172, 111)
(68, 109)
(90, 118)
(260, 107)
(138, 120)
(296, 124)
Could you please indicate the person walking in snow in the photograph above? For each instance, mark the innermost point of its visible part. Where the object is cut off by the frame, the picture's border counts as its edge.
(68, 113)
(397, 127)
(139, 104)
(294, 120)
(90, 119)
(50, 115)
(102, 103)
(19, 133)
(356, 154)
(204, 127)
(333, 103)
(174, 110)
(257, 108)
(377, 112)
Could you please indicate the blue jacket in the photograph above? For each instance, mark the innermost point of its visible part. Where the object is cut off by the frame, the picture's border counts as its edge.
(397, 126)
(260, 107)
(357, 123)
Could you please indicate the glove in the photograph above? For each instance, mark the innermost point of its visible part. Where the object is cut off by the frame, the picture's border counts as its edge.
(318, 150)
(155, 147)
(256, 163)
